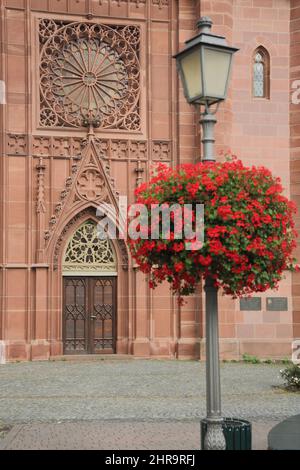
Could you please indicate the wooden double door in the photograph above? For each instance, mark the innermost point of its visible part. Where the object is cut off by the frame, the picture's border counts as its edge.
(89, 315)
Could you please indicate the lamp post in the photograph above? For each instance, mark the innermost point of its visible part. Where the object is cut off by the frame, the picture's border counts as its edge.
(204, 67)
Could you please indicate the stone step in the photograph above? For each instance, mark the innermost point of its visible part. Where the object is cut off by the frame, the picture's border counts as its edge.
(91, 357)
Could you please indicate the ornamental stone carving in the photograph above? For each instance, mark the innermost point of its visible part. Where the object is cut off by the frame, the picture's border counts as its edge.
(90, 180)
(40, 206)
(41, 145)
(89, 71)
(16, 144)
(161, 151)
(90, 185)
(87, 252)
(161, 3)
(85, 213)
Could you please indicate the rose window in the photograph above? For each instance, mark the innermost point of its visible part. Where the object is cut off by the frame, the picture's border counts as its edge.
(89, 71)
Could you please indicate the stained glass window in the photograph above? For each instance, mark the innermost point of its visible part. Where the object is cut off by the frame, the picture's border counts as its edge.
(261, 73)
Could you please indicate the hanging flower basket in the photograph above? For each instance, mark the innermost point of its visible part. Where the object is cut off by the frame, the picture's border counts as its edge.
(249, 231)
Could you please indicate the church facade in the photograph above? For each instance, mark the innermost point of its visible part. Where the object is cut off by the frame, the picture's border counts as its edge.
(92, 104)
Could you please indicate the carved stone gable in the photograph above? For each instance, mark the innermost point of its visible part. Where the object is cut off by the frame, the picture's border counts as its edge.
(89, 181)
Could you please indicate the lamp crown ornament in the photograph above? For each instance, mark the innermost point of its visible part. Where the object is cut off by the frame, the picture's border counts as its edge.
(204, 25)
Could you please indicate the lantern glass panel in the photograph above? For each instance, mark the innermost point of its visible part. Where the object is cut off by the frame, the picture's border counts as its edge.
(191, 70)
(216, 72)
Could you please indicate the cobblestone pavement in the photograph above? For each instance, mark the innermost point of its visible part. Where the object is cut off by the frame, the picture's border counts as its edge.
(115, 435)
(136, 389)
(135, 394)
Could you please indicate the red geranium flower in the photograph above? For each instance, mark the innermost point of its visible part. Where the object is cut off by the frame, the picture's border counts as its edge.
(249, 228)
(178, 267)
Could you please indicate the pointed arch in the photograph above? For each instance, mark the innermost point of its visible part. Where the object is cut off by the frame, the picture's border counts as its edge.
(72, 224)
(261, 73)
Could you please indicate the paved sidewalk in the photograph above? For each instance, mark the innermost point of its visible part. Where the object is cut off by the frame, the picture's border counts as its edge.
(112, 435)
(137, 404)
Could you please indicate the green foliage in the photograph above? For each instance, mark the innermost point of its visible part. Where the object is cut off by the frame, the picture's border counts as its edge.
(286, 360)
(251, 359)
(291, 376)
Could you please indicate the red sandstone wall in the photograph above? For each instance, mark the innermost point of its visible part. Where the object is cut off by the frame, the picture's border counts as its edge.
(260, 135)
(295, 149)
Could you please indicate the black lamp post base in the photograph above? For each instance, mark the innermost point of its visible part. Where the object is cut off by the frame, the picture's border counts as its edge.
(237, 432)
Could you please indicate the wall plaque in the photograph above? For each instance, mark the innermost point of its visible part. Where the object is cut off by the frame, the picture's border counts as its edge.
(277, 303)
(253, 303)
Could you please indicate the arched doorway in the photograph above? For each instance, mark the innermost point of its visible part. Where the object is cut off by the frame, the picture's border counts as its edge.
(89, 293)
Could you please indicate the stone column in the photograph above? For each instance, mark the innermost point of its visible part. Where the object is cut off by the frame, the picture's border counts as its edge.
(141, 333)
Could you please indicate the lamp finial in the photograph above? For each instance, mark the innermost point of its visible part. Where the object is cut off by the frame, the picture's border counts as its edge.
(204, 24)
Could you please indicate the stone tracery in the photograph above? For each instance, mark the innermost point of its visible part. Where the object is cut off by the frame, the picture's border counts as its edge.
(86, 252)
(89, 71)
(90, 184)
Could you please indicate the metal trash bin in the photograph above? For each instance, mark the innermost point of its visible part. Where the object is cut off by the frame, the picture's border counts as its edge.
(237, 432)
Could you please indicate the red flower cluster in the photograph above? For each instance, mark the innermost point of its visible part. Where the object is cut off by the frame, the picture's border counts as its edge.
(249, 228)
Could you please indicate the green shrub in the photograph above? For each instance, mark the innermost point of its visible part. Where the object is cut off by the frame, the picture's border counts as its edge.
(291, 376)
(251, 359)
(286, 361)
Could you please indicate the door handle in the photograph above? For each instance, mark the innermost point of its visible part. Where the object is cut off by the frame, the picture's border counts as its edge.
(93, 317)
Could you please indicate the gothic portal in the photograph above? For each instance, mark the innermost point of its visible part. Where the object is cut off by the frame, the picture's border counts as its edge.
(89, 304)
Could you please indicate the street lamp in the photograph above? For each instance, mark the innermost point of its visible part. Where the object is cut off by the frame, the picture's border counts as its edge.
(204, 67)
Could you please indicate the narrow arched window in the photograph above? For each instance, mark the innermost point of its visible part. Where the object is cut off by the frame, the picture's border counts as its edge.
(261, 73)
(2, 92)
